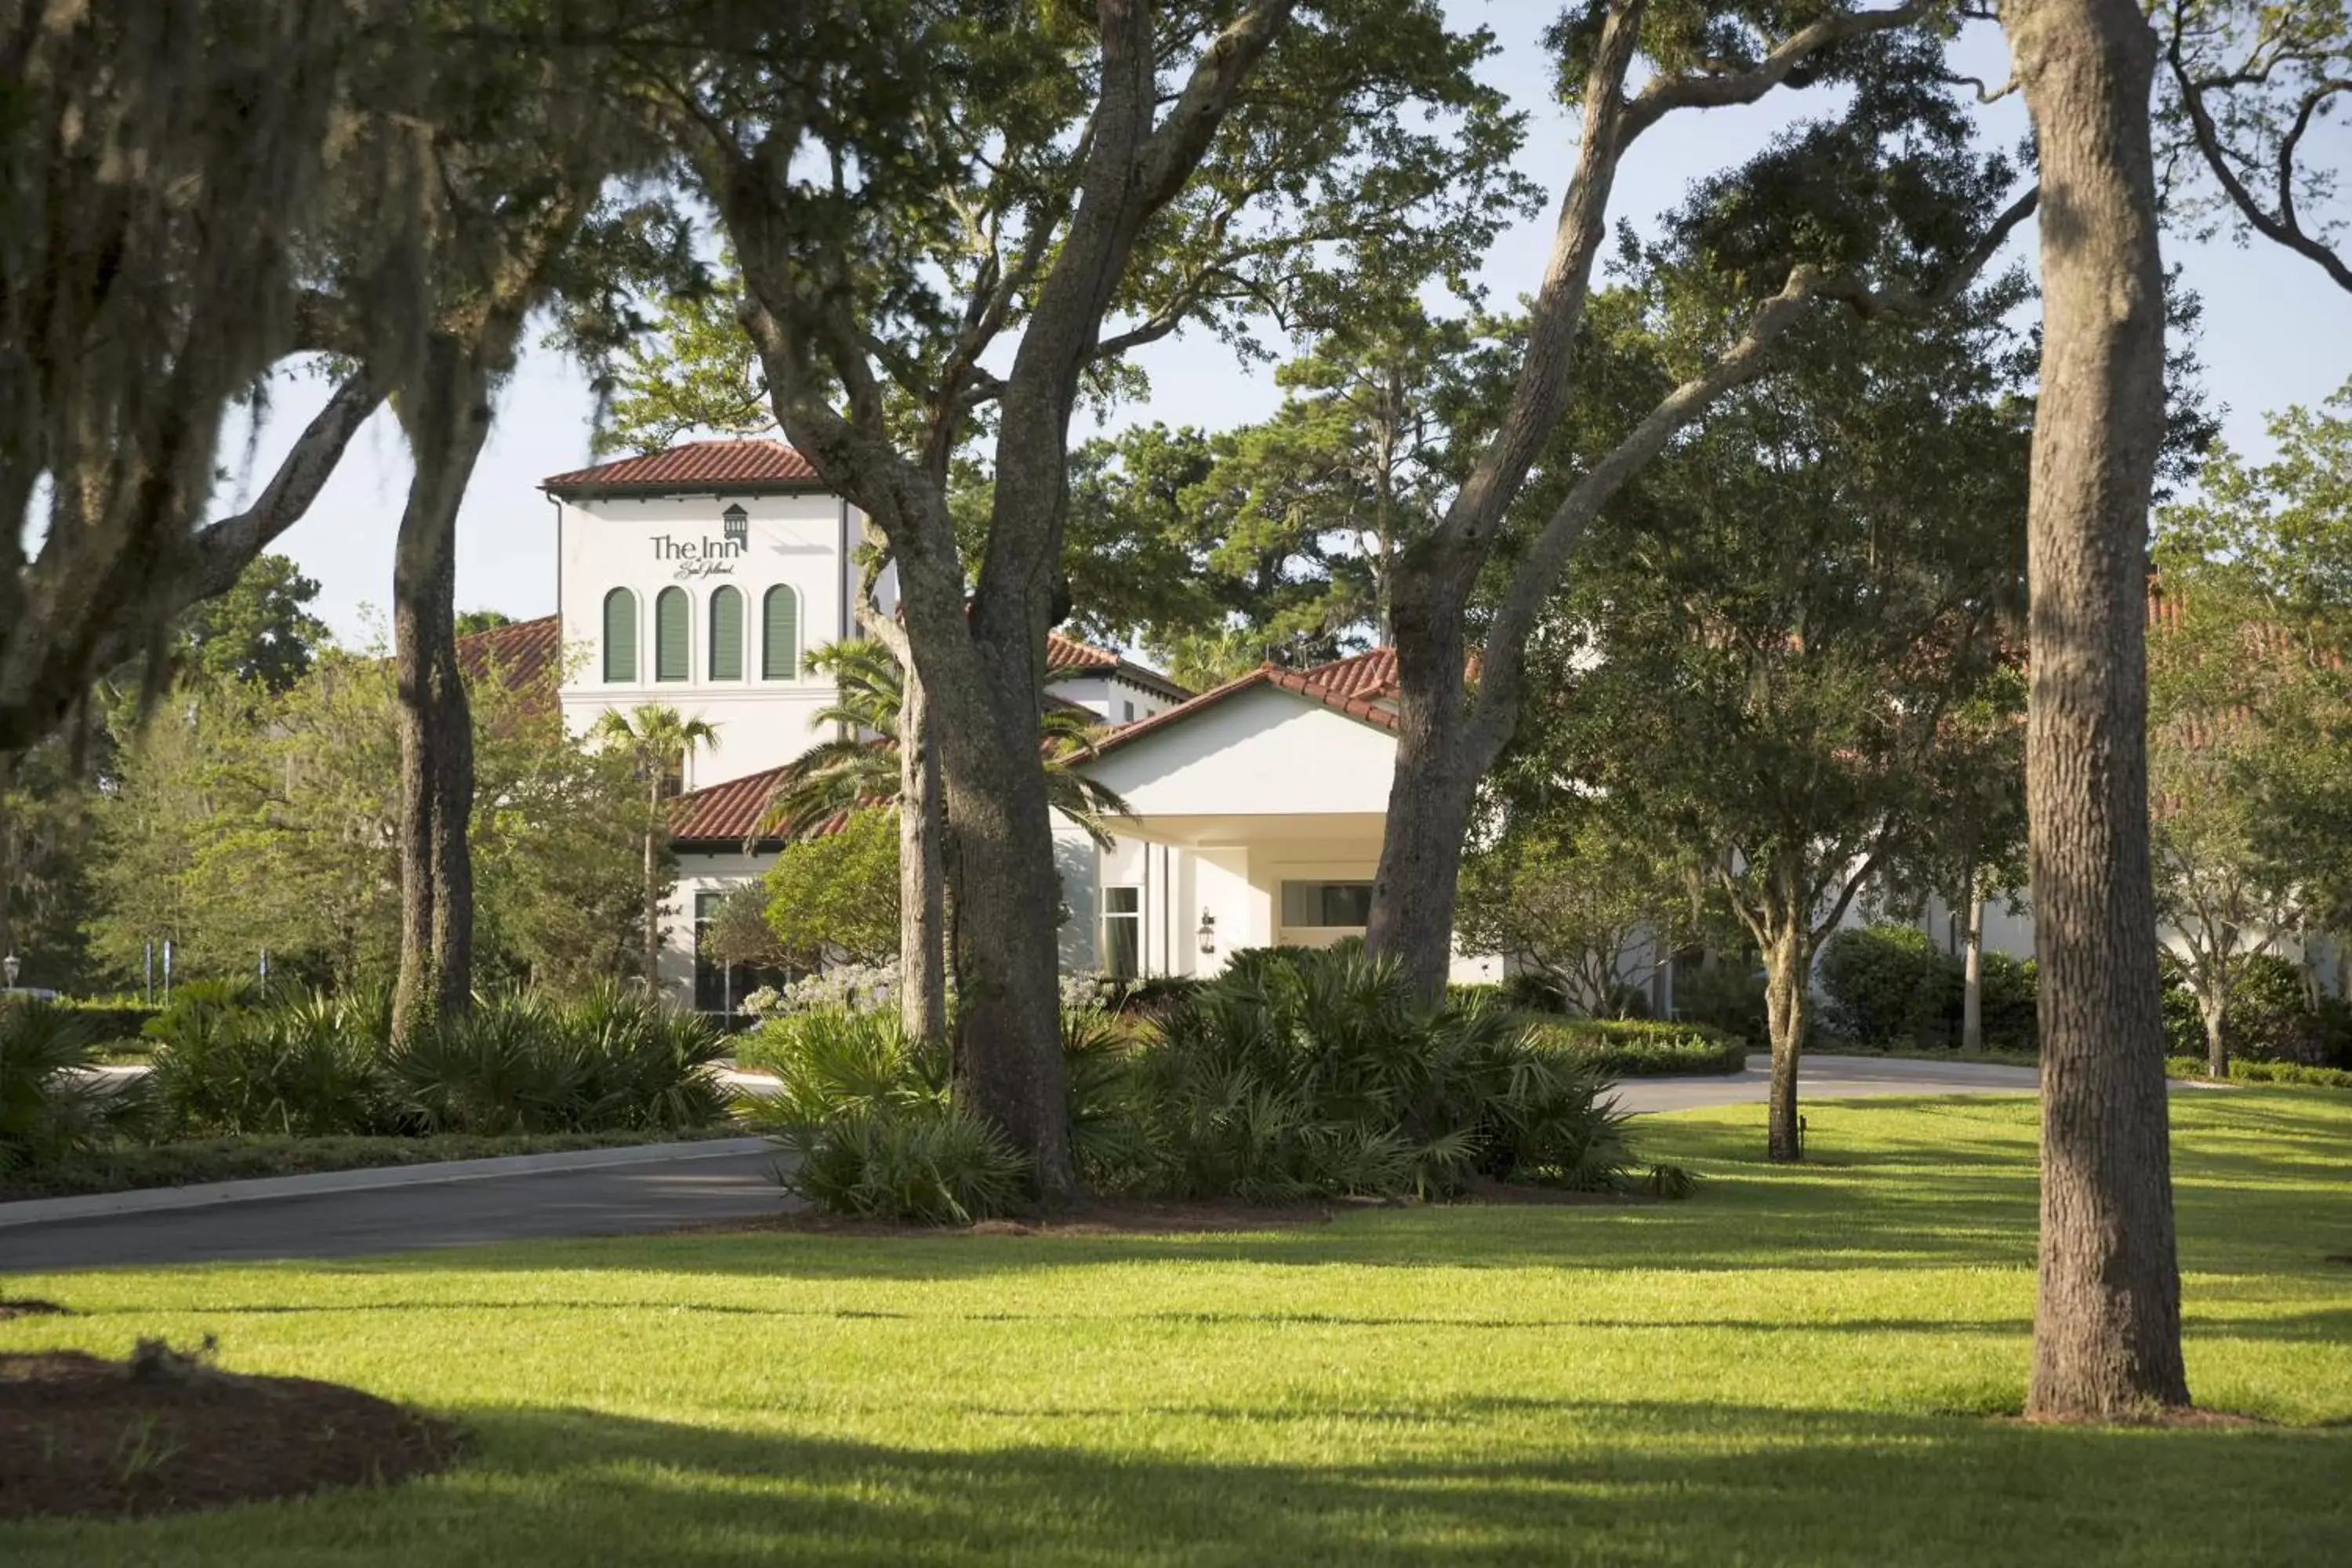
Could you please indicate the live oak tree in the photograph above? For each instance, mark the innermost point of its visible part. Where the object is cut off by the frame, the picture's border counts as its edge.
(1760, 661)
(137, 308)
(1022, 196)
(2253, 94)
(518, 144)
(2106, 1326)
(1883, 207)
(1278, 541)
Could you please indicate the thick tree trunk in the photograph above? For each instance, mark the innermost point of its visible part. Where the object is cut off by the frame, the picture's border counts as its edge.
(2215, 1010)
(1972, 972)
(922, 913)
(1436, 776)
(1788, 1014)
(2106, 1329)
(1438, 766)
(447, 420)
(1007, 1022)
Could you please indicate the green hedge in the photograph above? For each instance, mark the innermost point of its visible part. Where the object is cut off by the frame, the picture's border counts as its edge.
(2243, 1071)
(1892, 985)
(1641, 1047)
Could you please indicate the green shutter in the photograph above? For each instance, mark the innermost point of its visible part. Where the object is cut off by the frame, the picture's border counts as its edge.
(726, 635)
(670, 646)
(780, 644)
(620, 637)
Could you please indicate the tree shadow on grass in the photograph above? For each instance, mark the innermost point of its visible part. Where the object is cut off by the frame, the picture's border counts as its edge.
(1491, 1480)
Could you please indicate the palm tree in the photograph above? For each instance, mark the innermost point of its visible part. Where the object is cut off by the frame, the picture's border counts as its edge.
(860, 768)
(657, 739)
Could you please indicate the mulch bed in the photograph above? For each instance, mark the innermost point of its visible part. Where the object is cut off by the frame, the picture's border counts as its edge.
(164, 1433)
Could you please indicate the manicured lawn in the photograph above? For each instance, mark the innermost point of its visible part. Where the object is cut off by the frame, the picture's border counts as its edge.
(1794, 1367)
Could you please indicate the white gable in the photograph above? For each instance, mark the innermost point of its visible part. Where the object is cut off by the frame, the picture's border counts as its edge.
(1261, 751)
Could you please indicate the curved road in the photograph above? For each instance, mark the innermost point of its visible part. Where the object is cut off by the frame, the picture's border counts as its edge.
(661, 1195)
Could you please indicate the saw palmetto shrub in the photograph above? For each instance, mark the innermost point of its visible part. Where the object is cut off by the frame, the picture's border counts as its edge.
(611, 1059)
(1302, 1073)
(867, 1123)
(52, 1107)
(313, 1067)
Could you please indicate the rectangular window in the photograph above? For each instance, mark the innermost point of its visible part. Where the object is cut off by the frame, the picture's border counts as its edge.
(1347, 904)
(1127, 712)
(711, 979)
(1122, 932)
(720, 986)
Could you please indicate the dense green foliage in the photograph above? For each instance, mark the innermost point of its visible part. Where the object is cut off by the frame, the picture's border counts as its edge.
(1805, 1365)
(1294, 1074)
(1299, 1073)
(244, 820)
(1639, 1048)
(2246, 1072)
(867, 1116)
(2274, 1016)
(834, 898)
(50, 1108)
(1891, 984)
(607, 1057)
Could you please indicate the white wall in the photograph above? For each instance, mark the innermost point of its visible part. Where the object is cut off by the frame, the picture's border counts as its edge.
(1263, 751)
(646, 545)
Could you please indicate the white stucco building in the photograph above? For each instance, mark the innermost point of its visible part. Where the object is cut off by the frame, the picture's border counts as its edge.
(700, 579)
(1258, 810)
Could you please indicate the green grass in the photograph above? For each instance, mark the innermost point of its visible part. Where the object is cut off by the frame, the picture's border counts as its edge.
(1797, 1366)
(127, 1166)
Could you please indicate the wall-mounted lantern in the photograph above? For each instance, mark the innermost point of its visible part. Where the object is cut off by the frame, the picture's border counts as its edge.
(1208, 931)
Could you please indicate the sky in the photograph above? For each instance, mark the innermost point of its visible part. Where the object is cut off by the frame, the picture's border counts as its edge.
(2275, 332)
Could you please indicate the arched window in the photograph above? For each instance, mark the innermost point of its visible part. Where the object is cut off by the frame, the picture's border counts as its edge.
(671, 644)
(726, 635)
(780, 640)
(620, 637)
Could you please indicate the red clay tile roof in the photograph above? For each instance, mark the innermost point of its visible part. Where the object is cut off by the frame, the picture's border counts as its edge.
(740, 465)
(1353, 692)
(726, 813)
(1370, 675)
(526, 654)
(1069, 656)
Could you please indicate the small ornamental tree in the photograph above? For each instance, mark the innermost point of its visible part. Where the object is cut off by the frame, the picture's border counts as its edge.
(1591, 908)
(834, 898)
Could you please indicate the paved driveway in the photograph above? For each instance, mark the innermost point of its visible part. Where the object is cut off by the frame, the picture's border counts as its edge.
(665, 1195)
(606, 1201)
(1827, 1077)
